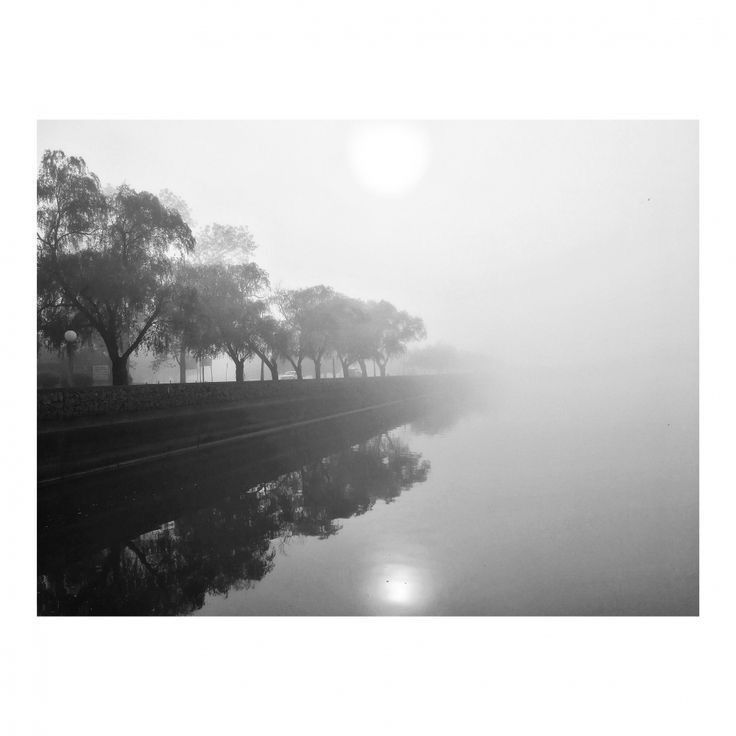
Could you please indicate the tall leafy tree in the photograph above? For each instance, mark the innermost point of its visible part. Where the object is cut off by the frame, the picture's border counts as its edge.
(350, 331)
(109, 259)
(233, 303)
(71, 208)
(318, 323)
(391, 330)
(272, 340)
(291, 308)
(71, 204)
(308, 319)
(184, 330)
(376, 331)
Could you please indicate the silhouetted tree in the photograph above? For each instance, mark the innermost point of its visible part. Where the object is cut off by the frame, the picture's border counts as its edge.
(391, 330)
(121, 264)
(184, 329)
(105, 258)
(308, 320)
(271, 341)
(71, 208)
(233, 301)
(350, 332)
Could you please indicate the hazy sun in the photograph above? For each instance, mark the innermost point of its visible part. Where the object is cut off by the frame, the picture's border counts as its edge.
(388, 159)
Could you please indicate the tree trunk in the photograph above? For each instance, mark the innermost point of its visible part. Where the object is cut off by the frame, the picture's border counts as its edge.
(183, 364)
(299, 375)
(273, 367)
(363, 367)
(382, 368)
(239, 371)
(317, 369)
(119, 371)
(345, 368)
(262, 369)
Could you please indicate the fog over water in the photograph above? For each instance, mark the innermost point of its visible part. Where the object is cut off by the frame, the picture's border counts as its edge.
(459, 506)
(567, 252)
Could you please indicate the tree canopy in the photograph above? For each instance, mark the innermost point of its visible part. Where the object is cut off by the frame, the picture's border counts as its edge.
(125, 267)
(233, 301)
(226, 244)
(308, 319)
(104, 260)
(391, 331)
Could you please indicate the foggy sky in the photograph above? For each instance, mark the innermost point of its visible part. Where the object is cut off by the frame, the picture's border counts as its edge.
(547, 243)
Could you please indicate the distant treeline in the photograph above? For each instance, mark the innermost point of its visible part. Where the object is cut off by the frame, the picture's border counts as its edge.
(441, 358)
(126, 268)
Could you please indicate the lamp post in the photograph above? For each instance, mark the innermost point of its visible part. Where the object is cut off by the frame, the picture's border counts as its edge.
(71, 342)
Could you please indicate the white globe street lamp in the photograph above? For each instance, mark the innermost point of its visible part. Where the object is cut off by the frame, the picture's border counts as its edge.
(71, 339)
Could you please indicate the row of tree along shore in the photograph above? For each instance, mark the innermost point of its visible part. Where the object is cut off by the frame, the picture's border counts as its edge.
(125, 269)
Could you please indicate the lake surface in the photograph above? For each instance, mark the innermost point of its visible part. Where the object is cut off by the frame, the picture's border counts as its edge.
(545, 503)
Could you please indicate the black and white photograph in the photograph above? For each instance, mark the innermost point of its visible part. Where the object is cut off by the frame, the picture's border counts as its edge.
(367, 368)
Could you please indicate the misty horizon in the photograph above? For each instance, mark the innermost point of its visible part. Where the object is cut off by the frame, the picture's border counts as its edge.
(557, 244)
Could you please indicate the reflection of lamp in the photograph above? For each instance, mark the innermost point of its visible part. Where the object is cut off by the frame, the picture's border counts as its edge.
(71, 340)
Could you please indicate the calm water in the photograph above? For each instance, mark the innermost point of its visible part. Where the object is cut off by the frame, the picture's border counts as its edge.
(545, 503)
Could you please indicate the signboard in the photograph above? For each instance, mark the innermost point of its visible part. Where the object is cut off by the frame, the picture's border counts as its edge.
(100, 373)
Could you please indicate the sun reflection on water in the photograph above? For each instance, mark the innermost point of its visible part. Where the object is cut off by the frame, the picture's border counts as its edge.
(398, 587)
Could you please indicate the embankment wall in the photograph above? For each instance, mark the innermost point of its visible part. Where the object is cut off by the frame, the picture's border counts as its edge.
(101, 401)
(100, 427)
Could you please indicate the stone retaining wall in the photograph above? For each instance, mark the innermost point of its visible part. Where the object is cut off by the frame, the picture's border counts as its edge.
(71, 403)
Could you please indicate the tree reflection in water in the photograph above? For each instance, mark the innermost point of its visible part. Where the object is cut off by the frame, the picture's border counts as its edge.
(233, 544)
(439, 417)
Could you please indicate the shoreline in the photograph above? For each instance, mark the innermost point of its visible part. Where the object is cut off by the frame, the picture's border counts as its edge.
(83, 445)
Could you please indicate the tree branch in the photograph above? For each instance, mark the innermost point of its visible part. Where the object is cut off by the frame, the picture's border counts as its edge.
(147, 326)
